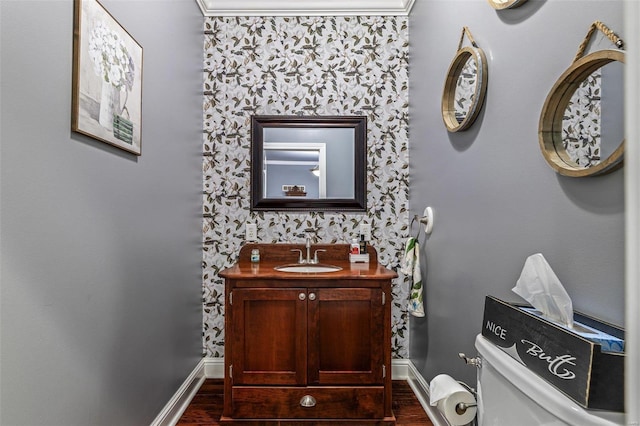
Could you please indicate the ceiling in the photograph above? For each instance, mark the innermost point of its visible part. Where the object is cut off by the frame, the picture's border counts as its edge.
(304, 7)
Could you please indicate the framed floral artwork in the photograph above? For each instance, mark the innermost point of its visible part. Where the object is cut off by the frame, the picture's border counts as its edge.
(107, 78)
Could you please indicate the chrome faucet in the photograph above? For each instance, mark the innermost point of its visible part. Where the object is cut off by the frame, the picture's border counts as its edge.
(308, 246)
(300, 258)
(308, 260)
(315, 255)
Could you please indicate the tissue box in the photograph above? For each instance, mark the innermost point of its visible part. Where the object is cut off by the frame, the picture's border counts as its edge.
(580, 367)
(607, 342)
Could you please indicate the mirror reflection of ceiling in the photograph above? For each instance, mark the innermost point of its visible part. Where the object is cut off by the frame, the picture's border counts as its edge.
(291, 155)
(305, 7)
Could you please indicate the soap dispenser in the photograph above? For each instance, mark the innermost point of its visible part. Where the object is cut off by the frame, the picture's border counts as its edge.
(363, 244)
(355, 246)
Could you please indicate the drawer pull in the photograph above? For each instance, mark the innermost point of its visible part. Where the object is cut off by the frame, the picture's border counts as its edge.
(302, 296)
(308, 401)
(312, 296)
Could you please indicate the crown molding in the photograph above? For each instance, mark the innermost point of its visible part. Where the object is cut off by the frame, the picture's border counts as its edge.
(305, 7)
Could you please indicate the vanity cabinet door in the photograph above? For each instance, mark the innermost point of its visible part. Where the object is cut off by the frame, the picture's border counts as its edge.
(269, 336)
(346, 336)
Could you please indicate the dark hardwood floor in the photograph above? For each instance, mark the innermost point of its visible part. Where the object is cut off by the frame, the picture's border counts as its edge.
(206, 407)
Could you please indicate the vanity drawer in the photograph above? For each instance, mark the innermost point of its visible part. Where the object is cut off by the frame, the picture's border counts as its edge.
(366, 402)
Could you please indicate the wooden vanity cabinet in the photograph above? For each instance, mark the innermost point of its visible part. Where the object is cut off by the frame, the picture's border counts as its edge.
(308, 350)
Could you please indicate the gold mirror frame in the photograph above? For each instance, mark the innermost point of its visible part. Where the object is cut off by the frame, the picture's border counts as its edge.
(463, 55)
(550, 125)
(506, 4)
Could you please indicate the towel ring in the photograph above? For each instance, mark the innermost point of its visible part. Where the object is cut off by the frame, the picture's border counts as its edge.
(415, 217)
(426, 220)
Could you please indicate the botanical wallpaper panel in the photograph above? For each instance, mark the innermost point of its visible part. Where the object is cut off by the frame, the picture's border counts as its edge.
(303, 66)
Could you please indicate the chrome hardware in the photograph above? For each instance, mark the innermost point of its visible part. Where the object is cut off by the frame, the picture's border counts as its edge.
(308, 401)
(231, 371)
(461, 407)
(476, 362)
(384, 371)
(426, 220)
(312, 296)
(302, 296)
(384, 297)
(315, 255)
(230, 298)
(308, 246)
(300, 258)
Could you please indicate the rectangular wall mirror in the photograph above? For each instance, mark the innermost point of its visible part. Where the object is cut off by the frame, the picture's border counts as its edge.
(308, 163)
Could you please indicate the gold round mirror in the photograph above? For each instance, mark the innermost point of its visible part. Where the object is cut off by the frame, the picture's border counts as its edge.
(505, 4)
(581, 128)
(465, 86)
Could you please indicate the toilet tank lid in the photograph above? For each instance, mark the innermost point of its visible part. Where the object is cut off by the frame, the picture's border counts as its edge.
(541, 392)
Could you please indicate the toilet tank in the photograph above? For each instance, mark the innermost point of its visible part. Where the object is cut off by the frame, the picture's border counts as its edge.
(510, 394)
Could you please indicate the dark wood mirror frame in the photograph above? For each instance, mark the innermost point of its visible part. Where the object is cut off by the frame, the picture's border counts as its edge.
(258, 200)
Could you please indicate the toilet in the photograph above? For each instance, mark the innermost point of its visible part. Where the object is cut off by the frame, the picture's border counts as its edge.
(509, 394)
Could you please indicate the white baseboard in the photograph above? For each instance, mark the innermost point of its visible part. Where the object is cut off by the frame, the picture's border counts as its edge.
(213, 368)
(171, 413)
(421, 390)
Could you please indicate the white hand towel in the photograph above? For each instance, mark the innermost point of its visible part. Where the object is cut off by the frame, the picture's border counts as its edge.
(411, 267)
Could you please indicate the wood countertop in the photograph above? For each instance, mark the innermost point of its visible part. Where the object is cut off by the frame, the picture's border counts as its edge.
(279, 254)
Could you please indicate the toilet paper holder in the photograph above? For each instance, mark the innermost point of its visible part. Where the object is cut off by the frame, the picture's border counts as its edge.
(456, 401)
(462, 407)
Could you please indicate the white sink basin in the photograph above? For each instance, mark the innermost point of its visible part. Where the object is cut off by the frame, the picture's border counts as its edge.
(307, 269)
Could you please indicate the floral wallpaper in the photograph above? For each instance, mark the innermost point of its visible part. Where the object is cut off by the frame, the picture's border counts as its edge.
(303, 66)
(465, 90)
(581, 124)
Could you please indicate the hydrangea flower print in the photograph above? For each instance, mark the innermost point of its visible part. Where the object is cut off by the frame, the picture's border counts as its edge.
(111, 60)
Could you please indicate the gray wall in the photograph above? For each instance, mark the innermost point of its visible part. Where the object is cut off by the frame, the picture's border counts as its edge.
(101, 251)
(496, 200)
(612, 110)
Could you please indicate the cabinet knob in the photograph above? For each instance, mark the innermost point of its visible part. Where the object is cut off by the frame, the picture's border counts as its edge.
(312, 296)
(308, 401)
(302, 296)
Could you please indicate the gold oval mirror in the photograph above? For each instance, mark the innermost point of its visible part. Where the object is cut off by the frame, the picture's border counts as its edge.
(581, 128)
(505, 4)
(465, 86)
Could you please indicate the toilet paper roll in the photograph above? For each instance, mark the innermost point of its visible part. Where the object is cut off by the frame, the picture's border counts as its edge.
(450, 398)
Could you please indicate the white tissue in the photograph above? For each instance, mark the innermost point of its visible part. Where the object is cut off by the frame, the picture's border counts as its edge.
(446, 393)
(540, 286)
